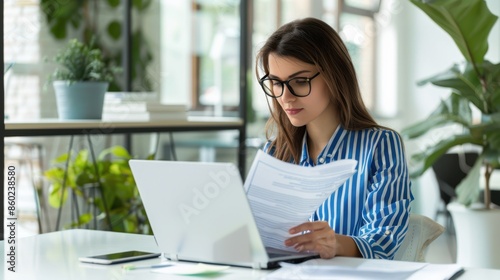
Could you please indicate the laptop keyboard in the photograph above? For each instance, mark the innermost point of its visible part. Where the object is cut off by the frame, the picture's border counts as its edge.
(277, 255)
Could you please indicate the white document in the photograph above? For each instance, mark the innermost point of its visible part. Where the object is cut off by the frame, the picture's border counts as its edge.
(283, 195)
(364, 269)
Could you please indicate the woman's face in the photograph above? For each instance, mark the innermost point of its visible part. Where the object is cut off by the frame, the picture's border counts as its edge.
(314, 108)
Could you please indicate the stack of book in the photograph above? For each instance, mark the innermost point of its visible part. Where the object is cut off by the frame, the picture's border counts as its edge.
(142, 110)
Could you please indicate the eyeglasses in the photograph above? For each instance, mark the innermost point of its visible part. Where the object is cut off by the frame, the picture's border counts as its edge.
(298, 86)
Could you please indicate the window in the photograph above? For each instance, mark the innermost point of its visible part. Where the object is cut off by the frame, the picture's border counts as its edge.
(22, 58)
(353, 19)
(200, 54)
(195, 49)
(358, 33)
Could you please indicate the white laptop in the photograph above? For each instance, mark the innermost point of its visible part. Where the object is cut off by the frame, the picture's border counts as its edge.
(199, 212)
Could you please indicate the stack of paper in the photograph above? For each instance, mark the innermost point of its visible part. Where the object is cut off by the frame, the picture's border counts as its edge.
(361, 269)
(283, 195)
(118, 108)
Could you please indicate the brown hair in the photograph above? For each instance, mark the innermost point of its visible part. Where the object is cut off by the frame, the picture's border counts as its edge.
(315, 42)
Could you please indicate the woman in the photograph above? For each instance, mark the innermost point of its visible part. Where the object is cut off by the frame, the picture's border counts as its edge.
(318, 116)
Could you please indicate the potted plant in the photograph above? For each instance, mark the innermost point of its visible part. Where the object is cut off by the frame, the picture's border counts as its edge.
(475, 87)
(102, 190)
(82, 81)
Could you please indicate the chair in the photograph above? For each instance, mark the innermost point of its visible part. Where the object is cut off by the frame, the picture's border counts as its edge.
(421, 232)
(450, 169)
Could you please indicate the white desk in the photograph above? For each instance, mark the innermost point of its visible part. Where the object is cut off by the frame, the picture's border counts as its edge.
(46, 127)
(55, 255)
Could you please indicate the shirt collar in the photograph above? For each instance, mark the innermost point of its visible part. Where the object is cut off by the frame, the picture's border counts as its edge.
(329, 150)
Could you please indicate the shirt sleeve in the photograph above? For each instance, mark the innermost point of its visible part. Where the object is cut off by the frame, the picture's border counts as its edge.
(387, 206)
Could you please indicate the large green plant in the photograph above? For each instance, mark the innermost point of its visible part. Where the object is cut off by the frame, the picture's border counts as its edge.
(105, 184)
(474, 83)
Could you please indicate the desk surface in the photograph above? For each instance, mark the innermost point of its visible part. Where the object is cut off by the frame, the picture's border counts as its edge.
(47, 127)
(55, 256)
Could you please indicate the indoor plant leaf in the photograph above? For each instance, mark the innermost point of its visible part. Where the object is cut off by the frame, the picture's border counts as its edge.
(55, 193)
(454, 109)
(113, 3)
(61, 159)
(467, 22)
(492, 89)
(463, 83)
(468, 190)
(424, 160)
(117, 151)
(115, 30)
(84, 219)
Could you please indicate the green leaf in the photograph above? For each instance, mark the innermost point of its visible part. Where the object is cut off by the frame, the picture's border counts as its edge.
(85, 218)
(120, 151)
(60, 14)
(55, 193)
(467, 22)
(141, 5)
(468, 190)
(117, 151)
(422, 161)
(58, 29)
(85, 178)
(60, 159)
(491, 75)
(114, 3)
(454, 110)
(420, 128)
(82, 220)
(115, 30)
(465, 84)
(81, 160)
(54, 175)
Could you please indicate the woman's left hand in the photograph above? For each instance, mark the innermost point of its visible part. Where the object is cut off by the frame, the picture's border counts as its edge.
(318, 237)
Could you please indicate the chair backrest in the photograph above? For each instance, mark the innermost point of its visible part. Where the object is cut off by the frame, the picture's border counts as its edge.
(421, 232)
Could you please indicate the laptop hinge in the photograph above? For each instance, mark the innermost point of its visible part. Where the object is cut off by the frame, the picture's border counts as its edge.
(171, 256)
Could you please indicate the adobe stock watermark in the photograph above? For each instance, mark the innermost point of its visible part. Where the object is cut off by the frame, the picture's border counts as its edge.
(207, 193)
(10, 222)
(361, 34)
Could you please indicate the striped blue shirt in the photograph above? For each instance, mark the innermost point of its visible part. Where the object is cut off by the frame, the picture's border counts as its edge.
(373, 206)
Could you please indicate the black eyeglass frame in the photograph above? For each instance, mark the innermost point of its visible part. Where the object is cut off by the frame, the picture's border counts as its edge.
(287, 83)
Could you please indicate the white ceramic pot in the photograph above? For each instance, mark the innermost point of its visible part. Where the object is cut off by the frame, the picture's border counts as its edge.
(478, 235)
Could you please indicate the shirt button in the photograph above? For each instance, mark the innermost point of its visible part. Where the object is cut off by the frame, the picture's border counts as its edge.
(321, 160)
(387, 232)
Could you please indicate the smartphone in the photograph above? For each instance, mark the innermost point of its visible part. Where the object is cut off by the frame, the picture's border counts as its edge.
(119, 257)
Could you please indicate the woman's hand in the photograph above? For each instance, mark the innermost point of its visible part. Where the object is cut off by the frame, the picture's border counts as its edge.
(318, 237)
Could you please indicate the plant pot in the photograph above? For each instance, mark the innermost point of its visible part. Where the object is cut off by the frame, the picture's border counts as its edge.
(478, 236)
(80, 100)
